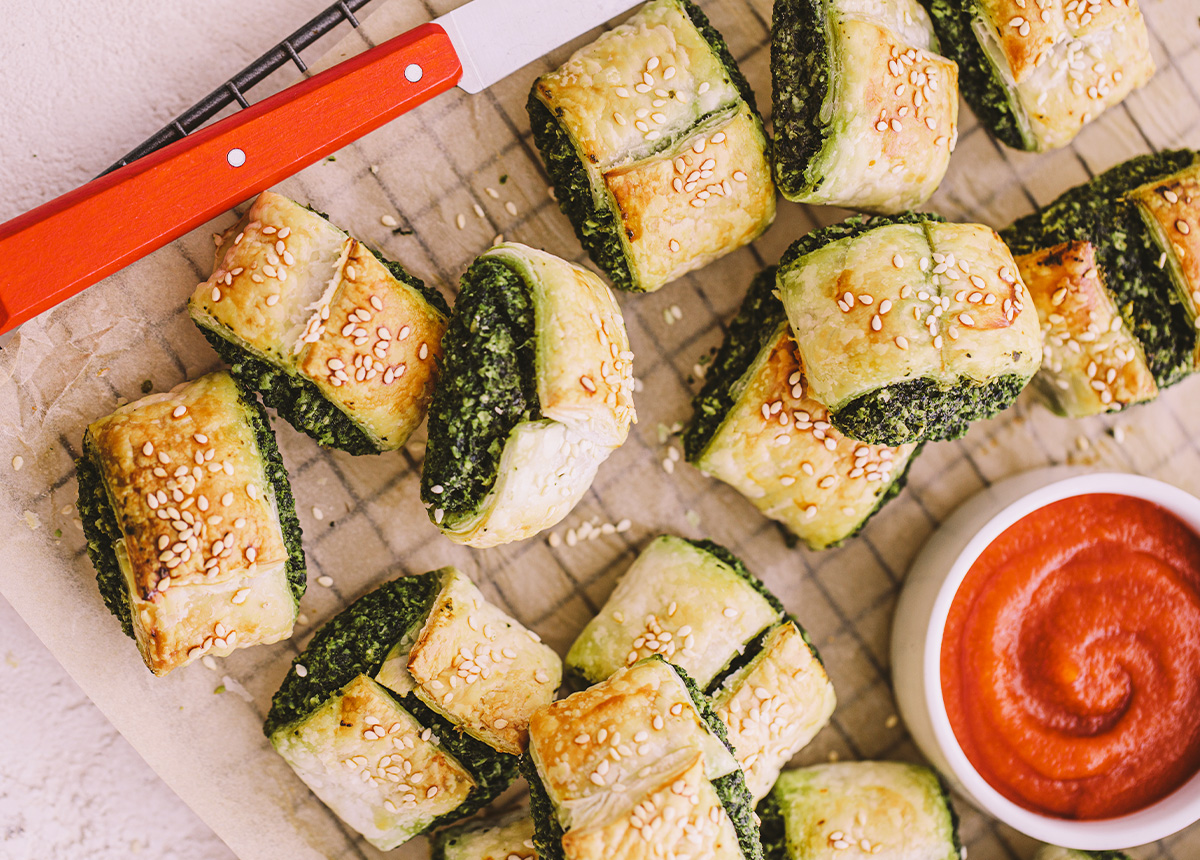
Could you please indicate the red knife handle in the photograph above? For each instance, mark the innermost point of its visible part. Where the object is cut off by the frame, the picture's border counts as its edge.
(53, 252)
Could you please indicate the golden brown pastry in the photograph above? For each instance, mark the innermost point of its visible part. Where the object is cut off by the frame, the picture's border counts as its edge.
(343, 344)
(654, 146)
(190, 523)
(866, 108)
(1036, 73)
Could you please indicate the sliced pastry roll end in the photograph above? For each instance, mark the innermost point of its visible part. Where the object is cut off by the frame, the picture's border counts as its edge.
(693, 603)
(1036, 76)
(1090, 361)
(909, 328)
(657, 154)
(865, 108)
(775, 704)
(637, 767)
(1118, 250)
(817, 813)
(190, 523)
(342, 343)
(408, 709)
(756, 427)
(536, 393)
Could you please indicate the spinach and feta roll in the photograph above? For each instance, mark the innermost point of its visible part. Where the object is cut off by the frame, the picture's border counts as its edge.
(775, 703)
(909, 328)
(1091, 363)
(409, 708)
(190, 523)
(886, 808)
(342, 343)
(1036, 74)
(1112, 268)
(536, 392)
(865, 108)
(636, 767)
(1053, 852)
(508, 839)
(655, 148)
(691, 602)
(755, 427)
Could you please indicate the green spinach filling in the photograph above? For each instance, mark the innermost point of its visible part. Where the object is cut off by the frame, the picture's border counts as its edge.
(773, 829)
(801, 76)
(1127, 254)
(923, 409)
(297, 400)
(101, 530)
(978, 79)
(488, 386)
(591, 211)
(102, 533)
(356, 642)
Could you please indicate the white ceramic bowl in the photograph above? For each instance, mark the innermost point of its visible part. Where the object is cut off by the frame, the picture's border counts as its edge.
(917, 630)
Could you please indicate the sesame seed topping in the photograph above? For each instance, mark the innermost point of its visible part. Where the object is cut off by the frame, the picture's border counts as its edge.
(179, 411)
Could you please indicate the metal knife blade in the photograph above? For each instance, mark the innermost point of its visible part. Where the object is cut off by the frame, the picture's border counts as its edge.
(494, 38)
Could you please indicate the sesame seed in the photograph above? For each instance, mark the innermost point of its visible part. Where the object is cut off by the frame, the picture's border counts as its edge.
(389, 221)
(898, 261)
(1183, 227)
(460, 221)
(325, 581)
(179, 411)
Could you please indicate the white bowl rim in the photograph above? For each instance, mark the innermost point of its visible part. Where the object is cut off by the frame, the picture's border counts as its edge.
(1162, 818)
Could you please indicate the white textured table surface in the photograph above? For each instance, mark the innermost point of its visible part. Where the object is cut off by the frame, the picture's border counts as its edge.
(83, 84)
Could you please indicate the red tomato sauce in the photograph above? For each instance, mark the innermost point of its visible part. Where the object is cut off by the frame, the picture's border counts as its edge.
(1071, 658)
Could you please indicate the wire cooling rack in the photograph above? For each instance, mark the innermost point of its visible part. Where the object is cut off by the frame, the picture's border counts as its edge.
(420, 170)
(236, 88)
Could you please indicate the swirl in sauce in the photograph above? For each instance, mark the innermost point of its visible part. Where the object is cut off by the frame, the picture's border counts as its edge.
(1071, 658)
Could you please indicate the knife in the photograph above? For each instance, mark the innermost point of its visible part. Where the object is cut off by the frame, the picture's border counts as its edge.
(62, 247)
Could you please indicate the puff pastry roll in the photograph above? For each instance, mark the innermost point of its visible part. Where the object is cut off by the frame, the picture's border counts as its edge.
(190, 523)
(817, 813)
(342, 343)
(637, 767)
(692, 602)
(1113, 270)
(909, 328)
(865, 108)
(1035, 75)
(774, 704)
(656, 151)
(509, 839)
(537, 391)
(755, 427)
(407, 710)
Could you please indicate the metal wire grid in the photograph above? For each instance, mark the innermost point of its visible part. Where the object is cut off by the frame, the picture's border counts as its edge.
(845, 596)
(236, 88)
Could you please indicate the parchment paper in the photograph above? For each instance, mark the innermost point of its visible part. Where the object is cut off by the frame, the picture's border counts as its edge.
(362, 517)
